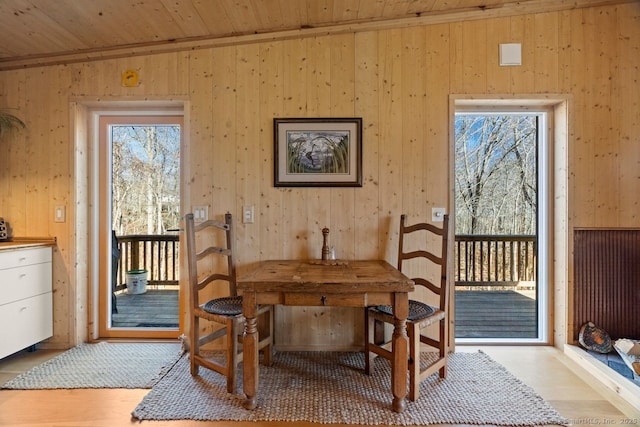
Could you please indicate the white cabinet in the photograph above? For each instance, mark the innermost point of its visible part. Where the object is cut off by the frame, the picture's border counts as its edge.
(26, 303)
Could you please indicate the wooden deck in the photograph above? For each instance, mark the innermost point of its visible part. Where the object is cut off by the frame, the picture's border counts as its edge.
(157, 308)
(496, 314)
(479, 314)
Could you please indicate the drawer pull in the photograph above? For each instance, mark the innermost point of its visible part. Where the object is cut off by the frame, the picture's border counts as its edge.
(323, 299)
(23, 308)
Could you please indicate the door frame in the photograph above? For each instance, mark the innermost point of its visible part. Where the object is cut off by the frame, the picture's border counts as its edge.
(89, 238)
(553, 301)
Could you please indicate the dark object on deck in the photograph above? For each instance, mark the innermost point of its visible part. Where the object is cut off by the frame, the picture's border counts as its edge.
(595, 339)
(115, 260)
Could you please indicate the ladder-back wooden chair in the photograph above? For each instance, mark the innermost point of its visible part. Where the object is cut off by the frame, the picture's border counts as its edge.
(225, 310)
(421, 315)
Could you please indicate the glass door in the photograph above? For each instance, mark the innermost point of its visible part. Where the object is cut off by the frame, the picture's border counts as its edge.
(140, 191)
(498, 206)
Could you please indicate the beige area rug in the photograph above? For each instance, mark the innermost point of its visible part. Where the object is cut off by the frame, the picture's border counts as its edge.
(102, 365)
(333, 388)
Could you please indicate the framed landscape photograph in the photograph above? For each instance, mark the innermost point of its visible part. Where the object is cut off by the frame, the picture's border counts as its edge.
(318, 152)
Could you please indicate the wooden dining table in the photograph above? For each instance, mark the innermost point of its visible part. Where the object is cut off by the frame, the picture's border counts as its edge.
(343, 283)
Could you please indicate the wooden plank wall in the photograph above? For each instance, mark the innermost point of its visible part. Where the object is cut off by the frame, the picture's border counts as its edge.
(397, 80)
(607, 278)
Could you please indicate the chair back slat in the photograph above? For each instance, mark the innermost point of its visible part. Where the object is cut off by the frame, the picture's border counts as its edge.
(202, 283)
(212, 250)
(197, 234)
(436, 254)
(212, 223)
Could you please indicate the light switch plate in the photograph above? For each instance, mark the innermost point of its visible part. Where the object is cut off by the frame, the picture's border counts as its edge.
(200, 213)
(60, 214)
(437, 214)
(247, 214)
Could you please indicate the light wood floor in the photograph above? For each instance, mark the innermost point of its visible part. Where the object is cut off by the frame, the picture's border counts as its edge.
(559, 380)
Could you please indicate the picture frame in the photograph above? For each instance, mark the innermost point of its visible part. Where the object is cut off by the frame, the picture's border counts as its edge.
(317, 152)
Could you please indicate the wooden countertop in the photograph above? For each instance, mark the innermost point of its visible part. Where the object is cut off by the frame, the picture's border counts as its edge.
(27, 242)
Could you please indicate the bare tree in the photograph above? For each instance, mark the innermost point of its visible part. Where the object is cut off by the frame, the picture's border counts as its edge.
(145, 178)
(495, 179)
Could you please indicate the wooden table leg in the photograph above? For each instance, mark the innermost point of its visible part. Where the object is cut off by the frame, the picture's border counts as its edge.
(250, 350)
(400, 352)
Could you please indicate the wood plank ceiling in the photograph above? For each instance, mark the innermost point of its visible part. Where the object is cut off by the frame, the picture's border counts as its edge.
(44, 32)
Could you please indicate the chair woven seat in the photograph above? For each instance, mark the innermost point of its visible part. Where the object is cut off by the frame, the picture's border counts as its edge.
(227, 306)
(417, 310)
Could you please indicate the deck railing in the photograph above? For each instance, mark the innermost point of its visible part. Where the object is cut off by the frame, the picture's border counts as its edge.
(493, 260)
(158, 254)
(480, 260)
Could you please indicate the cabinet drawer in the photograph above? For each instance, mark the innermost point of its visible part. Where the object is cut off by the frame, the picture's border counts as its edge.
(22, 257)
(24, 282)
(25, 323)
